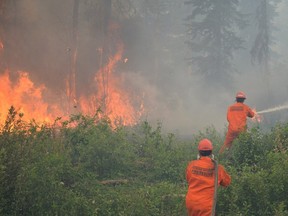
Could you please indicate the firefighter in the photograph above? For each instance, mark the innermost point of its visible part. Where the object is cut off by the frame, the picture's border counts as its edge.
(237, 115)
(200, 176)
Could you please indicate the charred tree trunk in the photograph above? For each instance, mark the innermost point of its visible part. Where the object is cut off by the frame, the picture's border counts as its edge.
(72, 96)
(1, 34)
(106, 6)
(8, 16)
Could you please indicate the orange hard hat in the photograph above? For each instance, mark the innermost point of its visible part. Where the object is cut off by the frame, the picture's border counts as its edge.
(240, 94)
(205, 145)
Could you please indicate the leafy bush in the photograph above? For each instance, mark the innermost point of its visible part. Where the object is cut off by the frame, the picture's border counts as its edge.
(84, 166)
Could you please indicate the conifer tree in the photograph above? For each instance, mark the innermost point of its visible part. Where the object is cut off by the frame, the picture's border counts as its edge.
(213, 38)
(261, 49)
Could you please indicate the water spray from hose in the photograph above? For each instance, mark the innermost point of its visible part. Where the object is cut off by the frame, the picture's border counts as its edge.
(277, 108)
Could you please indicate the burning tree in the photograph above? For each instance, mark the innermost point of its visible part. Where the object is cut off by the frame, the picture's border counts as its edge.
(100, 89)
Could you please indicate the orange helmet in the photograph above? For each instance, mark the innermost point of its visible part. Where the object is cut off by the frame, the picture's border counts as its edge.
(205, 145)
(240, 94)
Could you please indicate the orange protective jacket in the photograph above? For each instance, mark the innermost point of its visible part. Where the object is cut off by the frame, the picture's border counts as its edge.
(237, 116)
(200, 178)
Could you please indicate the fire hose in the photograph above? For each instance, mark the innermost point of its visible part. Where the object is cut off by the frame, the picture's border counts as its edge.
(215, 186)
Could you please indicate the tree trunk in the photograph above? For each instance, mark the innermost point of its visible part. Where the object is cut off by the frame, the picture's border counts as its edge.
(73, 58)
(106, 6)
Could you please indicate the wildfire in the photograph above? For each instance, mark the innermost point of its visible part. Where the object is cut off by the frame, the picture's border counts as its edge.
(112, 100)
(110, 97)
(26, 97)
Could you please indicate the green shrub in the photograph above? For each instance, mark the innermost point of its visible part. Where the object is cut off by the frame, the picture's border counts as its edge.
(60, 169)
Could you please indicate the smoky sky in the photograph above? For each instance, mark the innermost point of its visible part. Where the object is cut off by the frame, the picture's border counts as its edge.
(157, 70)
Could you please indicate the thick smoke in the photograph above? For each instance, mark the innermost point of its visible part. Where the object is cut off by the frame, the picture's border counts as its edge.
(156, 69)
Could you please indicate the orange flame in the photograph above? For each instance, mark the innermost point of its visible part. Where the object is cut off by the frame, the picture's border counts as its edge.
(26, 97)
(110, 97)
